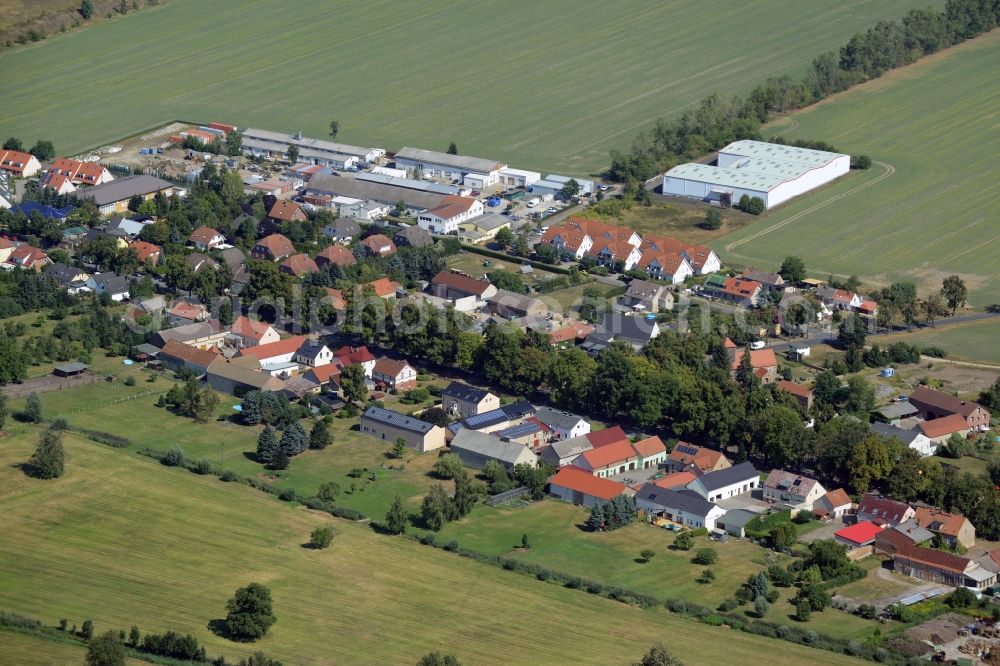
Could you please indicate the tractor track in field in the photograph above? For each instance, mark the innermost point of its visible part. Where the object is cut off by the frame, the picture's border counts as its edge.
(791, 128)
(889, 170)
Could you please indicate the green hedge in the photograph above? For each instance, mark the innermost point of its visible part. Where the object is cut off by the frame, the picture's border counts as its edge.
(760, 528)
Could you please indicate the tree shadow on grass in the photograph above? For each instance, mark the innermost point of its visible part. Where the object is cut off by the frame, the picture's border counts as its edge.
(219, 627)
(28, 469)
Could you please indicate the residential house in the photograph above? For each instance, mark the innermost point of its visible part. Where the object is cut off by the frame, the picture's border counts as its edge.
(476, 449)
(206, 238)
(727, 482)
(683, 507)
(412, 236)
(563, 424)
(246, 332)
(24, 165)
(483, 228)
(275, 356)
(511, 305)
(674, 480)
(636, 330)
(914, 439)
(57, 183)
(936, 566)
(390, 426)
(77, 172)
(763, 361)
(564, 451)
(769, 281)
(146, 252)
(578, 486)
(802, 394)
(115, 286)
(239, 376)
(894, 539)
(285, 210)
(642, 295)
(606, 437)
(177, 355)
(336, 298)
(740, 291)
(28, 258)
(298, 265)
(895, 412)
(935, 404)
(394, 375)
(623, 456)
(342, 230)
(858, 538)
(115, 196)
(272, 248)
(531, 433)
(464, 292)
(463, 401)
(940, 430)
(325, 375)
(313, 353)
(839, 299)
(382, 287)
(379, 245)
(203, 335)
(667, 266)
(615, 253)
(349, 356)
(834, 504)
(197, 262)
(954, 529)
(70, 277)
(186, 312)
(698, 459)
(794, 491)
(702, 259)
(335, 255)
(454, 210)
(883, 511)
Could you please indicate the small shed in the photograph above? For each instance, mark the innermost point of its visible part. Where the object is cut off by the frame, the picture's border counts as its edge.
(887, 372)
(70, 369)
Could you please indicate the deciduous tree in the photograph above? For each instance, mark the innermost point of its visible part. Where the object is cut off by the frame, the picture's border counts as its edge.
(105, 650)
(793, 269)
(955, 292)
(50, 456)
(249, 613)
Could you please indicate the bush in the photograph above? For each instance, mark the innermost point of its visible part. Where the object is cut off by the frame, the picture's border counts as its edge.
(729, 605)
(174, 457)
(130, 381)
(203, 466)
(229, 476)
(100, 437)
(321, 537)
(647, 554)
(705, 556)
(683, 541)
(287, 495)
(861, 162)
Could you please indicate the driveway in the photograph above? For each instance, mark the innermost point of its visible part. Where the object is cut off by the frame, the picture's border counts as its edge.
(824, 532)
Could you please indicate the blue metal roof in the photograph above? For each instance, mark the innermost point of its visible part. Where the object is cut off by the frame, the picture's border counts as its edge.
(398, 420)
(48, 212)
(520, 430)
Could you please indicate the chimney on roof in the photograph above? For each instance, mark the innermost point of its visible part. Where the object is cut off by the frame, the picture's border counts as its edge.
(298, 136)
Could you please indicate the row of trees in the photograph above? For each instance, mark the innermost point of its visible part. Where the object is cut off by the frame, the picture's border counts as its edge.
(716, 122)
(43, 150)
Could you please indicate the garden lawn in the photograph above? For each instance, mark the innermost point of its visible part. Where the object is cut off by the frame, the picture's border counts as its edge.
(560, 541)
(536, 86)
(928, 204)
(123, 540)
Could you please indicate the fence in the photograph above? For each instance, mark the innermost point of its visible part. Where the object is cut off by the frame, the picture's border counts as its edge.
(507, 496)
(112, 401)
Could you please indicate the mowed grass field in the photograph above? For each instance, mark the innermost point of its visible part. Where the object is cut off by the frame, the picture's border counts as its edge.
(928, 207)
(123, 540)
(533, 84)
(976, 341)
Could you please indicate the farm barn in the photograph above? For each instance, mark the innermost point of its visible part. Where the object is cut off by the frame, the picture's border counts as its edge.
(771, 171)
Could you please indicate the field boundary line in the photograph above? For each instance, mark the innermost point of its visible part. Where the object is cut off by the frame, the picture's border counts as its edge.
(889, 170)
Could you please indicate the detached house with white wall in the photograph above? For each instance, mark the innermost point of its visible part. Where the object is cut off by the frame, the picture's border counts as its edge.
(453, 211)
(726, 483)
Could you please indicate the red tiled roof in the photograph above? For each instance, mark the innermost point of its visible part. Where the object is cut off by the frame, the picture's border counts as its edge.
(203, 235)
(86, 173)
(461, 282)
(945, 425)
(248, 328)
(144, 250)
(883, 507)
(728, 344)
(704, 459)
(740, 288)
(276, 245)
(599, 438)
(674, 479)
(187, 310)
(573, 331)
(336, 298)
(581, 481)
(192, 355)
(299, 265)
(353, 355)
(649, 446)
(792, 387)
(286, 211)
(610, 454)
(14, 160)
(325, 373)
(389, 367)
(670, 262)
(379, 244)
(868, 306)
(759, 358)
(923, 395)
(861, 533)
(336, 254)
(452, 206)
(272, 349)
(383, 287)
(55, 181)
(26, 255)
(838, 497)
(942, 521)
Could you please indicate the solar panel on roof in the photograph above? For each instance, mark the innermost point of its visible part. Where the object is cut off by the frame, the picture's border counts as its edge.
(485, 417)
(689, 450)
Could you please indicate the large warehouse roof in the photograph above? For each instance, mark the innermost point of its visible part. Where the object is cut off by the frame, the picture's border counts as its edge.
(777, 151)
(477, 164)
(742, 178)
(306, 142)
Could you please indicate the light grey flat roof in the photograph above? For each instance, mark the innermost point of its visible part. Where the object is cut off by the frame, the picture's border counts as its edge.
(777, 151)
(444, 159)
(365, 190)
(306, 142)
(410, 183)
(122, 189)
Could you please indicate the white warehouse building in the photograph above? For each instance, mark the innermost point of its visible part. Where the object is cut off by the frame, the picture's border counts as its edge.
(771, 171)
(474, 172)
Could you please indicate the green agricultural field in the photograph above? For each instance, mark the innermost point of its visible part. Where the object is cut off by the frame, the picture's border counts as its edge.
(974, 340)
(125, 541)
(28, 650)
(927, 208)
(559, 541)
(528, 83)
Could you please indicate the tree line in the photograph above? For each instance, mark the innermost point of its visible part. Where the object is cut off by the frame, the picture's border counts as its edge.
(717, 122)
